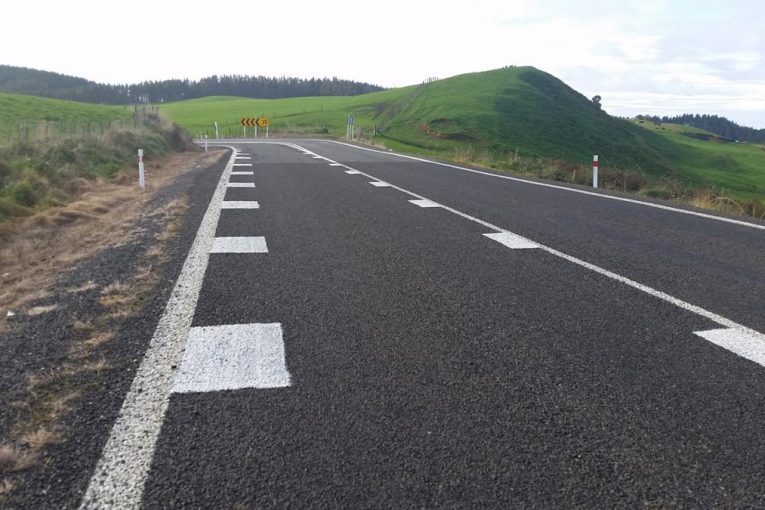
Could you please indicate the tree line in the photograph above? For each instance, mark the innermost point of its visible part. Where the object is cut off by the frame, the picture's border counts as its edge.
(713, 123)
(22, 80)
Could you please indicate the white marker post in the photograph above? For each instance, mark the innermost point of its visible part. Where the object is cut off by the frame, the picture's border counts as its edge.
(217, 136)
(266, 131)
(595, 165)
(141, 179)
(256, 130)
(205, 143)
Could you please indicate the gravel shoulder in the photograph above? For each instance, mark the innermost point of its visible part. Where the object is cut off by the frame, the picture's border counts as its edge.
(81, 321)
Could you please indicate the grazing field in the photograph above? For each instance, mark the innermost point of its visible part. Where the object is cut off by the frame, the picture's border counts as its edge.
(29, 118)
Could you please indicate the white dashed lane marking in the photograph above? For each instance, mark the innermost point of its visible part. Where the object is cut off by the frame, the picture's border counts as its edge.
(233, 357)
(240, 204)
(380, 184)
(512, 241)
(425, 203)
(745, 343)
(243, 173)
(353, 172)
(241, 184)
(243, 164)
(239, 245)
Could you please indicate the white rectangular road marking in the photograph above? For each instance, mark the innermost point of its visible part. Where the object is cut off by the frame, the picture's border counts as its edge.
(119, 477)
(239, 245)
(233, 357)
(241, 184)
(512, 241)
(243, 157)
(240, 204)
(243, 173)
(425, 203)
(335, 164)
(742, 342)
(353, 172)
(380, 184)
(243, 164)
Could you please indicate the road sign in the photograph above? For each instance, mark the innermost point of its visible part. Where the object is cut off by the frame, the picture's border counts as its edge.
(255, 121)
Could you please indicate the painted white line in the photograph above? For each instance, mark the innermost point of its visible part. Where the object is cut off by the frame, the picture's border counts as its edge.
(243, 173)
(317, 157)
(512, 241)
(353, 172)
(741, 342)
(240, 204)
(380, 184)
(243, 164)
(233, 357)
(121, 471)
(719, 319)
(243, 157)
(241, 184)
(563, 188)
(239, 245)
(335, 164)
(425, 203)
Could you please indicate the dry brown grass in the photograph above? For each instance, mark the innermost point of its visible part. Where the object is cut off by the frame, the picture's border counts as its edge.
(13, 458)
(41, 438)
(6, 486)
(35, 251)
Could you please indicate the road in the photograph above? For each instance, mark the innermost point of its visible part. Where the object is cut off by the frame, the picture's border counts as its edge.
(357, 329)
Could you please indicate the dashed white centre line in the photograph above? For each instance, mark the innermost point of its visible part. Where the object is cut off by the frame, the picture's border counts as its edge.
(736, 337)
(241, 184)
(233, 357)
(240, 204)
(744, 343)
(239, 245)
(335, 164)
(243, 173)
(425, 203)
(380, 184)
(244, 164)
(512, 241)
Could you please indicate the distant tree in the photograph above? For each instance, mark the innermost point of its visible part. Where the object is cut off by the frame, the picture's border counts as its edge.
(596, 100)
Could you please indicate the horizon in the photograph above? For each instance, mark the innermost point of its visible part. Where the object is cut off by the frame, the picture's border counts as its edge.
(644, 113)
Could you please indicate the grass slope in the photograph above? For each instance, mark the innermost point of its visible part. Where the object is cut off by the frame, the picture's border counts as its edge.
(50, 148)
(493, 116)
(22, 116)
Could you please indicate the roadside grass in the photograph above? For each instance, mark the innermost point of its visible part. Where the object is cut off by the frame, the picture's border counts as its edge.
(52, 392)
(37, 173)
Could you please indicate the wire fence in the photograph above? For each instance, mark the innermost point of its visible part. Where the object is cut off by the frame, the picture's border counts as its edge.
(45, 131)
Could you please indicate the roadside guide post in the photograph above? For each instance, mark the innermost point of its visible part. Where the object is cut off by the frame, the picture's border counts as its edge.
(595, 165)
(205, 143)
(141, 178)
(217, 136)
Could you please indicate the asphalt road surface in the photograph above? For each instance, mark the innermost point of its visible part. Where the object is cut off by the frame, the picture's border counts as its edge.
(345, 334)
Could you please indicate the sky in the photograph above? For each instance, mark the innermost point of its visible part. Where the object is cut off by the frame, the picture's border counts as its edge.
(641, 56)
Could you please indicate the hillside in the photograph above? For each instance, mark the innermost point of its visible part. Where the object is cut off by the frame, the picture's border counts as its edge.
(493, 116)
(714, 124)
(20, 80)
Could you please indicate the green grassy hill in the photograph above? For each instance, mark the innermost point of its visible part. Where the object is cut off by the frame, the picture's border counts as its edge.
(28, 117)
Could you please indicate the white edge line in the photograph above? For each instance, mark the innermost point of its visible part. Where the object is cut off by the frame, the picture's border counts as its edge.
(121, 471)
(563, 188)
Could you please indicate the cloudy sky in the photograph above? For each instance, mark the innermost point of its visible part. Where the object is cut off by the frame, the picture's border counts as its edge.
(642, 56)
